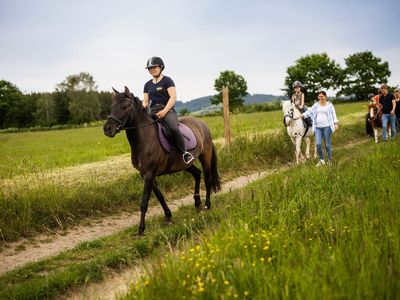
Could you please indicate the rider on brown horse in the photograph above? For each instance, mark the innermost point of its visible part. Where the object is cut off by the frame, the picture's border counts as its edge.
(160, 93)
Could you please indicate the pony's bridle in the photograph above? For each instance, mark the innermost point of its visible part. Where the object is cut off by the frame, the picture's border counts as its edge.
(121, 123)
(290, 115)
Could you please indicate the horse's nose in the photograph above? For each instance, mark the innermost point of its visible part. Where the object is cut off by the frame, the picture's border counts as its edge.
(106, 127)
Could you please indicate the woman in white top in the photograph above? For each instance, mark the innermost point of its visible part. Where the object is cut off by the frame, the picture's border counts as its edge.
(325, 123)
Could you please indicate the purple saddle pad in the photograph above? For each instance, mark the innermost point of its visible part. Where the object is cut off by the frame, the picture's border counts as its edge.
(187, 134)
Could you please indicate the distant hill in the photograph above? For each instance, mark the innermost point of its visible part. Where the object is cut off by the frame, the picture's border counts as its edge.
(199, 103)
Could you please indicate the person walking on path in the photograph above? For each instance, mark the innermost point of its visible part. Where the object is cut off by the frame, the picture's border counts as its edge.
(388, 102)
(325, 122)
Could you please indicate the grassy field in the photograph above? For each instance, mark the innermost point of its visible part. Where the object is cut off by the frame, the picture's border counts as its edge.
(35, 203)
(34, 152)
(310, 232)
(30, 207)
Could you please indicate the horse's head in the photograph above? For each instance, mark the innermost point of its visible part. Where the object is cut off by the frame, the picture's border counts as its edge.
(122, 111)
(288, 112)
(373, 109)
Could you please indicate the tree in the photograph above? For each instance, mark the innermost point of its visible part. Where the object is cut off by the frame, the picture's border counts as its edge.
(363, 71)
(16, 109)
(105, 103)
(316, 72)
(78, 82)
(45, 111)
(184, 112)
(76, 99)
(84, 106)
(10, 95)
(237, 89)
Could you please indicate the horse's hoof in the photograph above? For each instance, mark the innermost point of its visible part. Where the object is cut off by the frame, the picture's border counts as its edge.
(168, 222)
(139, 235)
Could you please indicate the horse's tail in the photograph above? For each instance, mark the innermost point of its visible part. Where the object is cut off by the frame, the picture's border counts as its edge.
(215, 180)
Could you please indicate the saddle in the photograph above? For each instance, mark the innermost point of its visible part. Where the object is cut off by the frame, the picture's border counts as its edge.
(165, 136)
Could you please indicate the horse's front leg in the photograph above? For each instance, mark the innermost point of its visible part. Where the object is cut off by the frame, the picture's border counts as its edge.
(148, 185)
(299, 155)
(376, 135)
(307, 147)
(295, 144)
(160, 197)
(196, 173)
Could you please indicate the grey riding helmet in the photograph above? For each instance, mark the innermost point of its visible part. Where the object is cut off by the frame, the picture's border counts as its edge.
(297, 84)
(155, 62)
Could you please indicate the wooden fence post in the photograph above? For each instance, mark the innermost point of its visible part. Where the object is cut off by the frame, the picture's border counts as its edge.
(225, 101)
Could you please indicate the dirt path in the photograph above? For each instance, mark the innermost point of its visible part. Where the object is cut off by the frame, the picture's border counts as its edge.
(42, 246)
(29, 250)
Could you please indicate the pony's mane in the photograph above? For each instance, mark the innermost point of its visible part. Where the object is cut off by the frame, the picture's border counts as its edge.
(285, 105)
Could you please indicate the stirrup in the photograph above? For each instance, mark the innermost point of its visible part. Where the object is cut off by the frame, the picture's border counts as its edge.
(190, 159)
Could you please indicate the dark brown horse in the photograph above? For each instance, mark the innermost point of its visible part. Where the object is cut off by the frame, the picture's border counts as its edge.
(150, 159)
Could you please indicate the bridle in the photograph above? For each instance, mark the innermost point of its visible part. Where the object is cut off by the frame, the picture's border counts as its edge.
(290, 115)
(121, 123)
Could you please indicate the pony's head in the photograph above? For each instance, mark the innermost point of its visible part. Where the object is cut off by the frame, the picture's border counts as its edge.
(122, 111)
(288, 112)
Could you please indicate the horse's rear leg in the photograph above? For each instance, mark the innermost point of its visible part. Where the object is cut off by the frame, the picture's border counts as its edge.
(197, 176)
(162, 201)
(206, 165)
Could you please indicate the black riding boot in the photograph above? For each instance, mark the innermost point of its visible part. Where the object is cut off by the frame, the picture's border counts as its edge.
(171, 119)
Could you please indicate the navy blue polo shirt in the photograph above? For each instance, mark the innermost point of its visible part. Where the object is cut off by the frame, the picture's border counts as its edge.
(386, 102)
(158, 92)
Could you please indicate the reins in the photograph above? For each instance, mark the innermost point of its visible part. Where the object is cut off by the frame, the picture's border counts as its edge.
(121, 125)
(140, 126)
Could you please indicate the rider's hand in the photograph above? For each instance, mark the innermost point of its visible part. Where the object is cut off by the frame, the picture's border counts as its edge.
(336, 126)
(161, 114)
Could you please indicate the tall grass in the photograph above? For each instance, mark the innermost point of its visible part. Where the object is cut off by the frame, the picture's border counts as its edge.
(26, 210)
(305, 233)
(310, 233)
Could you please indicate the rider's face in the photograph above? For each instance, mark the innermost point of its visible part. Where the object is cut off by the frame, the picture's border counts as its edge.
(154, 71)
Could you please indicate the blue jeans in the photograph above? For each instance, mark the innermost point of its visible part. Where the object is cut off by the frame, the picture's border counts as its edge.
(326, 133)
(385, 119)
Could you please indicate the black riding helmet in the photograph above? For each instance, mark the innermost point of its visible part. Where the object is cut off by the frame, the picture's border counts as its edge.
(155, 62)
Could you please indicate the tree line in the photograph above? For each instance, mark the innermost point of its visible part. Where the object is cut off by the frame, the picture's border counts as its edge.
(362, 74)
(76, 99)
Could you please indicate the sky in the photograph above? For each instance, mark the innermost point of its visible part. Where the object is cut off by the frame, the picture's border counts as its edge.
(44, 41)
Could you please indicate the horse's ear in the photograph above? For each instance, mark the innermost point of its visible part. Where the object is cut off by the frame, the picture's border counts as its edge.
(127, 92)
(115, 91)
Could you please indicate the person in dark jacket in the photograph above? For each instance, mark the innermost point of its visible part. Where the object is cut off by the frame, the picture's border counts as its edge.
(388, 103)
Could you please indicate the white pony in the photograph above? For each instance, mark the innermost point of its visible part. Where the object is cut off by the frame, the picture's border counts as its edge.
(296, 130)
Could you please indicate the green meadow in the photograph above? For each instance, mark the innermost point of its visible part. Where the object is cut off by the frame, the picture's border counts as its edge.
(38, 201)
(34, 152)
(304, 233)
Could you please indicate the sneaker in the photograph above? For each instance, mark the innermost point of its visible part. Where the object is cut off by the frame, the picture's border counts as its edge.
(320, 163)
(187, 157)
